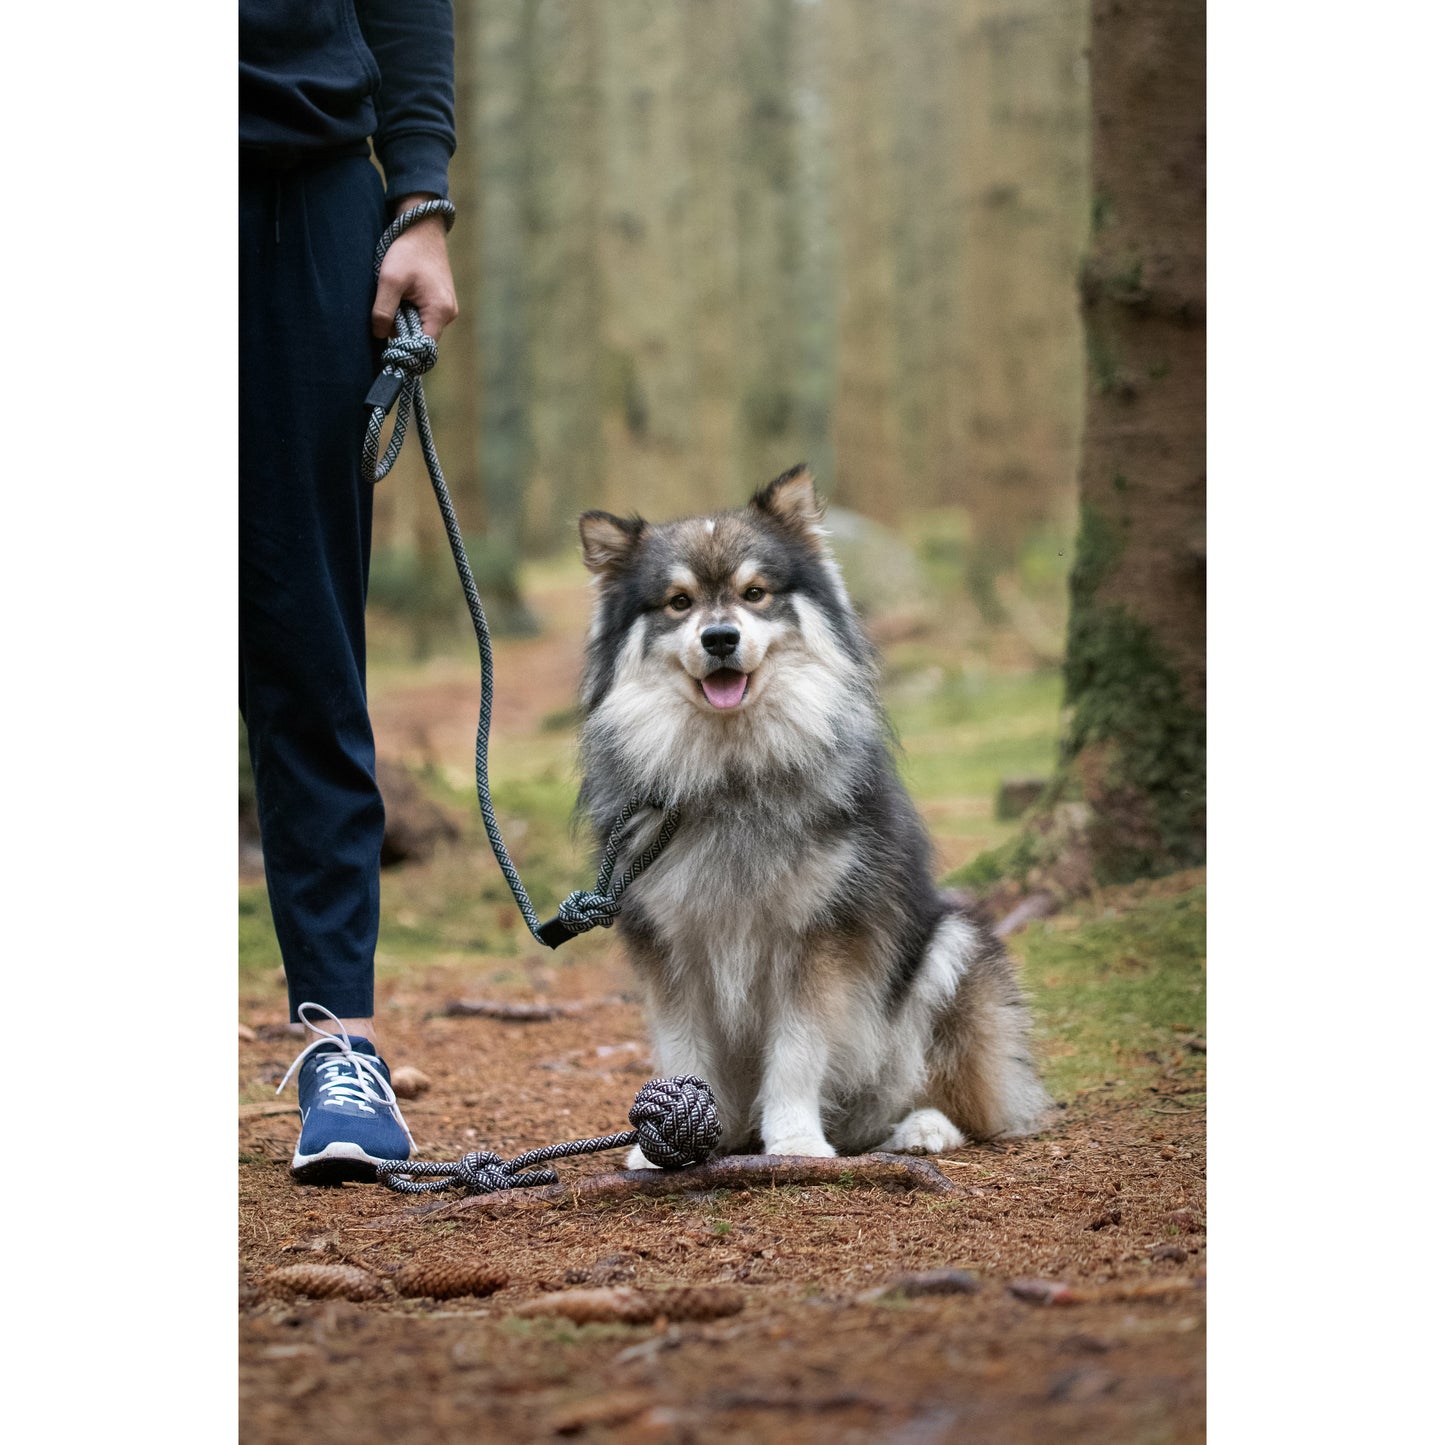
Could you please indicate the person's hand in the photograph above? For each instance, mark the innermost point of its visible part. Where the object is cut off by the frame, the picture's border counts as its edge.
(416, 269)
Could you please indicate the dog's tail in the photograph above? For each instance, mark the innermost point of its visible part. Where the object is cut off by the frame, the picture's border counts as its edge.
(980, 1070)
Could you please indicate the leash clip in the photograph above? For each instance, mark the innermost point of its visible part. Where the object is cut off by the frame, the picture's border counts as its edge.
(385, 390)
(554, 933)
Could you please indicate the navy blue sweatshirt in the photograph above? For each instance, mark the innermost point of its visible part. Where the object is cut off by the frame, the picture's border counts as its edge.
(319, 77)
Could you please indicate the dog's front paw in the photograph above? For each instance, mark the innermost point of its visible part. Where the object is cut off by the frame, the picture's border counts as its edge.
(924, 1131)
(810, 1146)
(636, 1159)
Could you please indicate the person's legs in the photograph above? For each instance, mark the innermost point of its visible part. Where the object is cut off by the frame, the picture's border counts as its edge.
(307, 359)
(307, 237)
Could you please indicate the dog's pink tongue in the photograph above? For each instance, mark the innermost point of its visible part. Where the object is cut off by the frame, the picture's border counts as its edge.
(725, 688)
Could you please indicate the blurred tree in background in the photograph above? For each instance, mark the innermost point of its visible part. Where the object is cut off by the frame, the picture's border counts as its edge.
(700, 240)
(1128, 799)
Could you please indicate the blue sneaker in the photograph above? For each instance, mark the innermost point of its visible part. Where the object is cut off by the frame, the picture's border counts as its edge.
(350, 1121)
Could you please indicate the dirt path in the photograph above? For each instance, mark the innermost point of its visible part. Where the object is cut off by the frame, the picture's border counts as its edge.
(1109, 1201)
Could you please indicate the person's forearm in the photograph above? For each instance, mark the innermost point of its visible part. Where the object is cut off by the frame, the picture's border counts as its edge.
(416, 129)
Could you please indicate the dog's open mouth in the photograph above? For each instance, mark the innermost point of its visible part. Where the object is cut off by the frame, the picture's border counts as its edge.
(724, 688)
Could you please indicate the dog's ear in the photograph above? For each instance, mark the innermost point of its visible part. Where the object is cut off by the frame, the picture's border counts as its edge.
(608, 541)
(791, 501)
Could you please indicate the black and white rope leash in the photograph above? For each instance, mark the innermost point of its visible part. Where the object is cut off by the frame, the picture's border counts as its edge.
(674, 1120)
(408, 356)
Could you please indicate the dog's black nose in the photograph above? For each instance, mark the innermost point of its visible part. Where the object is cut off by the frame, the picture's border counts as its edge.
(720, 640)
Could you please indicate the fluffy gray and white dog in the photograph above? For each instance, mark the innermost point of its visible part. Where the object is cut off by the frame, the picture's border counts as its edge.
(791, 943)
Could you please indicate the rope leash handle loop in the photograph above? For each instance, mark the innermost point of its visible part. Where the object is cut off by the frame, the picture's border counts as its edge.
(674, 1120)
(407, 357)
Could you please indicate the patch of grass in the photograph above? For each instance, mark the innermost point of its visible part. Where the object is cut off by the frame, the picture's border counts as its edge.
(257, 947)
(1118, 986)
(964, 736)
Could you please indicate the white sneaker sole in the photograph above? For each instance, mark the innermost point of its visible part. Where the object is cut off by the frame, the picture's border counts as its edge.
(335, 1164)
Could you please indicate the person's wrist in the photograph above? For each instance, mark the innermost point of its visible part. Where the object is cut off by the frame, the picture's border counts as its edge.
(405, 203)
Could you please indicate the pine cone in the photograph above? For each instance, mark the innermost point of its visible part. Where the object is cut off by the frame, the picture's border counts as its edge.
(698, 1302)
(447, 1279)
(636, 1307)
(594, 1306)
(324, 1281)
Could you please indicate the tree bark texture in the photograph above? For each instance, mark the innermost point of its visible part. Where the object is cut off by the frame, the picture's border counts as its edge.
(564, 294)
(1024, 229)
(500, 310)
(1133, 748)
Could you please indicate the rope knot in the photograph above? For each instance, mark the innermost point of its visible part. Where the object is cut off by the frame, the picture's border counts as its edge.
(411, 355)
(583, 910)
(676, 1121)
(481, 1172)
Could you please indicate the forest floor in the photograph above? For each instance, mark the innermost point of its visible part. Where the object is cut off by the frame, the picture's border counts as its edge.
(828, 1342)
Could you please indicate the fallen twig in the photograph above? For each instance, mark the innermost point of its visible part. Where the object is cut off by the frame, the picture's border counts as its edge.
(1057, 1292)
(521, 1013)
(265, 1111)
(736, 1171)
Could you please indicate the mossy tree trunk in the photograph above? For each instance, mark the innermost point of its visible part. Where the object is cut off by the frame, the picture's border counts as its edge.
(1128, 800)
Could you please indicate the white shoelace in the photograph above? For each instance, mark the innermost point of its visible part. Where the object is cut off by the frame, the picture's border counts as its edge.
(347, 1076)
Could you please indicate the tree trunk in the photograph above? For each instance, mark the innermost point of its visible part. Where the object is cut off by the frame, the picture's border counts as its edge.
(815, 199)
(768, 243)
(563, 116)
(1024, 230)
(1128, 799)
(500, 311)
(868, 472)
(711, 43)
(648, 373)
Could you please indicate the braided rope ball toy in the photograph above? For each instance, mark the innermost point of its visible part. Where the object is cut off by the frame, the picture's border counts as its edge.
(674, 1121)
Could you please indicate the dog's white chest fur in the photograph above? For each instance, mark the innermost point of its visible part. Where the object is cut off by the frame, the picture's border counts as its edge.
(730, 916)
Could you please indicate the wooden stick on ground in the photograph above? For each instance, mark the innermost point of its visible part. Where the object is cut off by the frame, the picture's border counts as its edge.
(524, 1013)
(736, 1171)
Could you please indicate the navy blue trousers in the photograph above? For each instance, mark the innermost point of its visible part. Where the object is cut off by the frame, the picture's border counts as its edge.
(308, 234)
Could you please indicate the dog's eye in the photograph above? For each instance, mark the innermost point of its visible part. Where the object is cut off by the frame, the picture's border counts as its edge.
(680, 603)
(754, 594)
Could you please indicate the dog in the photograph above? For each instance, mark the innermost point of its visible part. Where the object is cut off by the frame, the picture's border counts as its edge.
(792, 946)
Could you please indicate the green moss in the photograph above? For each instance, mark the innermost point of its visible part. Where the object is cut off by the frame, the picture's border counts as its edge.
(1101, 212)
(1096, 549)
(1123, 694)
(1117, 991)
(1103, 366)
(1012, 859)
(1127, 284)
